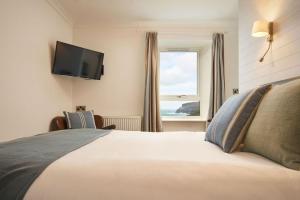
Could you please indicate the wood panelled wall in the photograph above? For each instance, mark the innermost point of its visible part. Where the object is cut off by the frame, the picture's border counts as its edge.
(283, 61)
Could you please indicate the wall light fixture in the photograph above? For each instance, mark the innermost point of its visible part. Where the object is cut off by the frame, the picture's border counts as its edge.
(263, 29)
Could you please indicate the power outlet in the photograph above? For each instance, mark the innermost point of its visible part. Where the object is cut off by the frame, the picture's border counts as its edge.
(235, 91)
(80, 108)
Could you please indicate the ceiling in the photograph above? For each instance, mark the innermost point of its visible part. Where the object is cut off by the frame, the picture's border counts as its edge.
(120, 11)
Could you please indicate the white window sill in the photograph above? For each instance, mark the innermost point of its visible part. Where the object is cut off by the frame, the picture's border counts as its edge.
(183, 119)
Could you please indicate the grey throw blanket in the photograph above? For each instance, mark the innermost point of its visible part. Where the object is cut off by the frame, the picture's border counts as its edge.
(23, 160)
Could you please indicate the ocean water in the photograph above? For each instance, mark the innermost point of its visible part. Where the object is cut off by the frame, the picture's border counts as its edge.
(164, 112)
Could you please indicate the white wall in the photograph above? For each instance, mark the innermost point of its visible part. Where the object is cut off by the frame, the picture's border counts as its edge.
(231, 54)
(121, 90)
(205, 80)
(282, 62)
(30, 95)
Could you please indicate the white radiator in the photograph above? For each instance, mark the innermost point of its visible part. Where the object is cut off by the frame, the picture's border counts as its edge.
(127, 123)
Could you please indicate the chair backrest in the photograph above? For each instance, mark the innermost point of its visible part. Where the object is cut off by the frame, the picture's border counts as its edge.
(60, 123)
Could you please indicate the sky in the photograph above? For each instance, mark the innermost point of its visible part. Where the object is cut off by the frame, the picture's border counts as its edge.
(178, 76)
(178, 73)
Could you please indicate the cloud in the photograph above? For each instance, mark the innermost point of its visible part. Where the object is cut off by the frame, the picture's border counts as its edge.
(178, 72)
(187, 88)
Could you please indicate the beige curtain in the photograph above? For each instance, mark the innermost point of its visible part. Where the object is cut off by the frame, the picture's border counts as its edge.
(151, 119)
(217, 92)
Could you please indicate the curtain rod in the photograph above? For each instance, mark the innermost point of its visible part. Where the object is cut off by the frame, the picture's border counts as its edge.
(187, 33)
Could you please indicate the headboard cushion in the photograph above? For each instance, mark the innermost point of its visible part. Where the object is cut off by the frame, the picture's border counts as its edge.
(275, 130)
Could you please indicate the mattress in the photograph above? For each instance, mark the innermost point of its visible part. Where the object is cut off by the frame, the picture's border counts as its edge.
(159, 166)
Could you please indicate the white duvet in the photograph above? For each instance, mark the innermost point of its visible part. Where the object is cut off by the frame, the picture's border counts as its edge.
(161, 166)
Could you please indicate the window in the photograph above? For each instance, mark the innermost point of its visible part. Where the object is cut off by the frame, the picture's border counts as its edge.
(179, 88)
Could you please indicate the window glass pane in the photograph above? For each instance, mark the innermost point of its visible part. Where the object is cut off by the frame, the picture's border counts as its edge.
(178, 73)
(179, 108)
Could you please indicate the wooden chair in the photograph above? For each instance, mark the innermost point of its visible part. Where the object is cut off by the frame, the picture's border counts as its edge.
(60, 123)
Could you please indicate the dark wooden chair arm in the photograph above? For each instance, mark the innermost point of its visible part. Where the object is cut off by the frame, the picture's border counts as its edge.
(98, 121)
(59, 123)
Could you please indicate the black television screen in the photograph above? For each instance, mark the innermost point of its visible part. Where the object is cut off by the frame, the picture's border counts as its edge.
(71, 60)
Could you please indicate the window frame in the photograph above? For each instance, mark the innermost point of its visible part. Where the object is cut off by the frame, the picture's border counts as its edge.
(182, 97)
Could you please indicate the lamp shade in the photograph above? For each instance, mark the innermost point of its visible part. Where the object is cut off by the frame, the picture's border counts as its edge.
(260, 29)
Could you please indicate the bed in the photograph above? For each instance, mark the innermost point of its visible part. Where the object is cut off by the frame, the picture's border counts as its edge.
(171, 165)
(111, 164)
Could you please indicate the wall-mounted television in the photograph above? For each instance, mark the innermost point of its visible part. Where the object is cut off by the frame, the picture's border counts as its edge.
(72, 60)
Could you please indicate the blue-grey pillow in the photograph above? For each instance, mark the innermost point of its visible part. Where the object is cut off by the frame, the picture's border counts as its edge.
(229, 125)
(84, 119)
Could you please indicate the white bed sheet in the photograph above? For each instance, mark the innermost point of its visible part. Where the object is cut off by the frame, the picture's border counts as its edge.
(160, 166)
